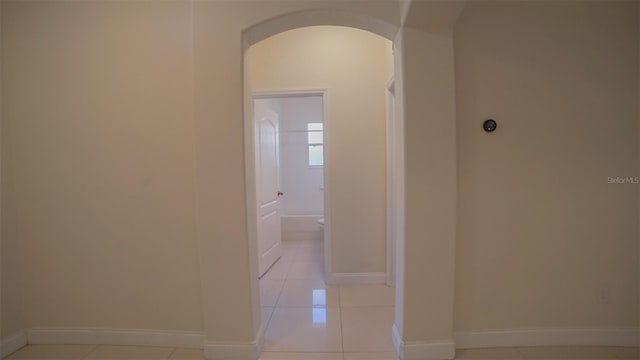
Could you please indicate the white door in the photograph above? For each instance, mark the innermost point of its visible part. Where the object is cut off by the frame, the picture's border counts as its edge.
(267, 184)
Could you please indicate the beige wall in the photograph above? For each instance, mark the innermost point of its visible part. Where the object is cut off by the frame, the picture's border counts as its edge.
(426, 276)
(354, 66)
(117, 109)
(99, 100)
(126, 141)
(430, 179)
(540, 231)
(219, 136)
(10, 310)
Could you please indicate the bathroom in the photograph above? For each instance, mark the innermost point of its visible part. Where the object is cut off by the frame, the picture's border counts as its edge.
(302, 168)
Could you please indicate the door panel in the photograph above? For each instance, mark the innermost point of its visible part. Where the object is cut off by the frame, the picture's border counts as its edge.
(268, 161)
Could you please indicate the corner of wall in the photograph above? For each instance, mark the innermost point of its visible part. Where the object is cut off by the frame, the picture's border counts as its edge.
(236, 351)
(12, 337)
(415, 350)
(638, 152)
(430, 186)
(12, 343)
(405, 5)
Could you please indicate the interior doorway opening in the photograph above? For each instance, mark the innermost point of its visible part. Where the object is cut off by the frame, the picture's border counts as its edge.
(291, 187)
(361, 135)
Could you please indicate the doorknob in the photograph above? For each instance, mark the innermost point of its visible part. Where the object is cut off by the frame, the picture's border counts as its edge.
(280, 193)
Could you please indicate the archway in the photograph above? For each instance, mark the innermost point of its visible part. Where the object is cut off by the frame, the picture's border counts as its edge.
(263, 30)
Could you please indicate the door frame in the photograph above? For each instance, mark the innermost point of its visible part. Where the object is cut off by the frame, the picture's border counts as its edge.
(262, 30)
(250, 178)
(391, 195)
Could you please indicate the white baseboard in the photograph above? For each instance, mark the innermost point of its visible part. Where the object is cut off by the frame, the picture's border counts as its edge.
(12, 344)
(100, 336)
(419, 350)
(235, 351)
(301, 223)
(547, 337)
(357, 278)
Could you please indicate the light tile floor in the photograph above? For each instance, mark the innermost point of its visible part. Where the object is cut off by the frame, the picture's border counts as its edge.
(306, 319)
(304, 315)
(50, 352)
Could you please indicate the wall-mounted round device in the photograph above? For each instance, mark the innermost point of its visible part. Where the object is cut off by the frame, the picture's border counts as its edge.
(489, 125)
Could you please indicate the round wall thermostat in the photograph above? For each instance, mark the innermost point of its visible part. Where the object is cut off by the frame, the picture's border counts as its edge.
(489, 125)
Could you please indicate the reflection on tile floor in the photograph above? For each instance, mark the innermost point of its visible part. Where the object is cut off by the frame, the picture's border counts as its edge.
(310, 316)
(306, 319)
(34, 352)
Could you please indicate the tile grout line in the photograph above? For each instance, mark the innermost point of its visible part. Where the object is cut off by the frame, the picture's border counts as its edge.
(275, 304)
(275, 307)
(85, 356)
(171, 354)
(341, 329)
(517, 349)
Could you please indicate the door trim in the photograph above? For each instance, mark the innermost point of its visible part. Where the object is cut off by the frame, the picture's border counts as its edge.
(391, 195)
(357, 278)
(250, 178)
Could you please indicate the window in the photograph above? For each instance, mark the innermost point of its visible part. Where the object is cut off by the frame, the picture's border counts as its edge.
(316, 144)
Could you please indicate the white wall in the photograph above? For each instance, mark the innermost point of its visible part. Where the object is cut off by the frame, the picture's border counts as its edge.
(540, 230)
(302, 185)
(353, 65)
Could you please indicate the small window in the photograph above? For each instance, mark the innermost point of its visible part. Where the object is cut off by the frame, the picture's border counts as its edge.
(316, 144)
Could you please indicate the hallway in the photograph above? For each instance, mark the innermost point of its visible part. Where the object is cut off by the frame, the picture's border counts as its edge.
(305, 315)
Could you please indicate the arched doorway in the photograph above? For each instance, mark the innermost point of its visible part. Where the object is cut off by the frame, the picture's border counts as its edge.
(296, 20)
